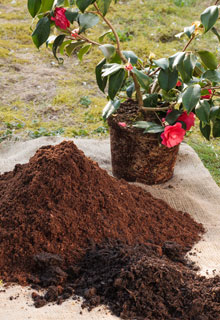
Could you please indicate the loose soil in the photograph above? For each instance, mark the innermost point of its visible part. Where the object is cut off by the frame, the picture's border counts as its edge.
(66, 225)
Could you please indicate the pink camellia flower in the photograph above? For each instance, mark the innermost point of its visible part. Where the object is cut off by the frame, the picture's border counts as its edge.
(128, 66)
(75, 33)
(179, 83)
(122, 124)
(189, 119)
(207, 96)
(173, 135)
(60, 18)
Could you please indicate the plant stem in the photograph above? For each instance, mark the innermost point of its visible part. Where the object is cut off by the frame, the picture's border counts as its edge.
(124, 60)
(188, 43)
(216, 2)
(155, 109)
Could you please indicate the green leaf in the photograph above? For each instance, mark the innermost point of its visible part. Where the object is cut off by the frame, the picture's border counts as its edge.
(111, 68)
(57, 42)
(142, 78)
(71, 15)
(216, 128)
(110, 108)
(215, 31)
(46, 5)
(101, 38)
(209, 59)
(72, 46)
(178, 59)
(149, 127)
(209, 17)
(130, 55)
(173, 116)
(189, 30)
(215, 112)
(203, 110)
(83, 4)
(212, 75)
(103, 5)
(130, 89)
(41, 32)
(205, 129)
(191, 97)
(108, 50)
(162, 63)
(150, 100)
(87, 20)
(115, 82)
(63, 45)
(167, 79)
(33, 7)
(83, 51)
(100, 81)
(187, 66)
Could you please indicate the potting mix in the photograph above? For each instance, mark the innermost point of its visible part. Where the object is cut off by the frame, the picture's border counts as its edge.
(69, 227)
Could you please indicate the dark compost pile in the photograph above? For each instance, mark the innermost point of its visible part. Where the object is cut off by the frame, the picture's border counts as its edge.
(68, 226)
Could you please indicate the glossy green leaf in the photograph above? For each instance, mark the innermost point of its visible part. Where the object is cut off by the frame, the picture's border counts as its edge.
(209, 17)
(149, 127)
(57, 42)
(150, 100)
(71, 15)
(173, 116)
(167, 79)
(46, 5)
(216, 128)
(83, 51)
(34, 7)
(83, 4)
(205, 129)
(178, 59)
(162, 63)
(215, 112)
(215, 31)
(101, 38)
(212, 75)
(187, 66)
(108, 50)
(72, 46)
(203, 110)
(100, 80)
(209, 59)
(189, 30)
(41, 32)
(103, 5)
(130, 55)
(87, 20)
(191, 97)
(130, 89)
(115, 82)
(110, 108)
(64, 45)
(111, 68)
(142, 78)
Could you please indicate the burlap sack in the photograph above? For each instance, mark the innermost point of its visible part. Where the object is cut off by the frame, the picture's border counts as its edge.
(192, 189)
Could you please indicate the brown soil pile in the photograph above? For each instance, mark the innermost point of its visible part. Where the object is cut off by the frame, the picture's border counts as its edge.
(61, 201)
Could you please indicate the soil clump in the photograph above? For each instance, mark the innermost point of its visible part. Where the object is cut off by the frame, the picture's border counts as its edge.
(67, 226)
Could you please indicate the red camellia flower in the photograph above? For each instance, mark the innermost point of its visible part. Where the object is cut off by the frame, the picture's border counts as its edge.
(179, 83)
(75, 33)
(60, 18)
(173, 135)
(189, 119)
(208, 96)
(128, 66)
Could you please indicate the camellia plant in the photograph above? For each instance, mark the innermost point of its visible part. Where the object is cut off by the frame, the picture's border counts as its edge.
(176, 89)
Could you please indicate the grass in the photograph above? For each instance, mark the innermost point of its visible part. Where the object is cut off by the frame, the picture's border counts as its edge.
(68, 102)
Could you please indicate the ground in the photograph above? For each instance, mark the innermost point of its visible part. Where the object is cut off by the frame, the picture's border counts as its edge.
(40, 97)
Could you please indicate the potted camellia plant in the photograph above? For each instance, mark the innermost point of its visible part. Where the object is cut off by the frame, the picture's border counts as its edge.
(164, 96)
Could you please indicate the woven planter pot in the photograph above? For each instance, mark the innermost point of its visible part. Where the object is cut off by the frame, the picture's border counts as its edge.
(140, 157)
